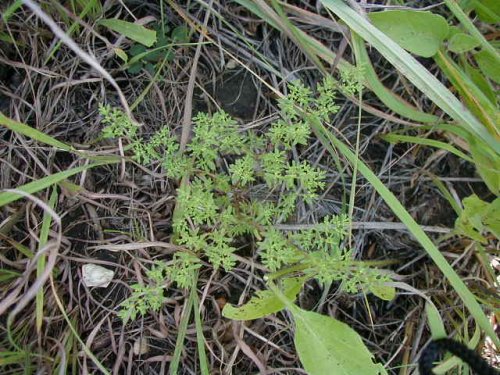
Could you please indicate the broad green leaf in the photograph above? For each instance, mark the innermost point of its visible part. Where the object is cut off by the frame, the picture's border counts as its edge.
(328, 346)
(412, 70)
(488, 65)
(388, 97)
(392, 101)
(467, 24)
(180, 34)
(385, 292)
(491, 218)
(147, 54)
(135, 32)
(461, 42)
(453, 30)
(435, 322)
(334, 147)
(478, 216)
(421, 33)
(264, 303)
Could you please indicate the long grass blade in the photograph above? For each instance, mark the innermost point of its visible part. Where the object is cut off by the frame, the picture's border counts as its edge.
(40, 266)
(390, 99)
(200, 339)
(413, 70)
(396, 138)
(332, 143)
(32, 133)
(181, 333)
(43, 183)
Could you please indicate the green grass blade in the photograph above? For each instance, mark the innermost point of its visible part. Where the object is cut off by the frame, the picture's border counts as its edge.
(43, 183)
(32, 133)
(396, 138)
(73, 330)
(200, 339)
(18, 246)
(90, 6)
(181, 334)
(469, 26)
(435, 322)
(386, 96)
(41, 137)
(6, 275)
(446, 194)
(413, 70)
(472, 95)
(332, 143)
(10, 358)
(40, 266)
(11, 10)
(390, 99)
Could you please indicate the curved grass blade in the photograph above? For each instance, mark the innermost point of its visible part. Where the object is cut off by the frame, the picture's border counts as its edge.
(43, 183)
(396, 138)
(413, 70)
(32, 133)
(390, 99)
(331, 143)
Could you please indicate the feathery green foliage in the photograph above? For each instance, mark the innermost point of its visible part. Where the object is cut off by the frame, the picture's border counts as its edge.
(223, 167)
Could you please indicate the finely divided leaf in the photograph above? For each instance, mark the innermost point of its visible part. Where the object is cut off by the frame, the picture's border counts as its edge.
(264, 303)
(328, 346)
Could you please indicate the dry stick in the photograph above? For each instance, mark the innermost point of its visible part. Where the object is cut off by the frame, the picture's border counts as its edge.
(374, 225)
(188, 108)
(81, 53)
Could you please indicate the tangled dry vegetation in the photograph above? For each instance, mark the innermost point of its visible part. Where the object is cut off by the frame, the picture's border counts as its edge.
(120, 215)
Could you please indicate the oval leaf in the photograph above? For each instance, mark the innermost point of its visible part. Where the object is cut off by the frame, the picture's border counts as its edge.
(132, 31)
(418, 32)
(385, 292)
(461, 42)
(121, 54)
(328, 346)
(264, 303)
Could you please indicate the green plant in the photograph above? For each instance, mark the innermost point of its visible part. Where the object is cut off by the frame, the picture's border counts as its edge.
(218, 204)
(140, 57)
(466, 126)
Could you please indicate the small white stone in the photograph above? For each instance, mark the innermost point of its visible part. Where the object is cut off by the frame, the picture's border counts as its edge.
(95, 275)
(141, 346)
